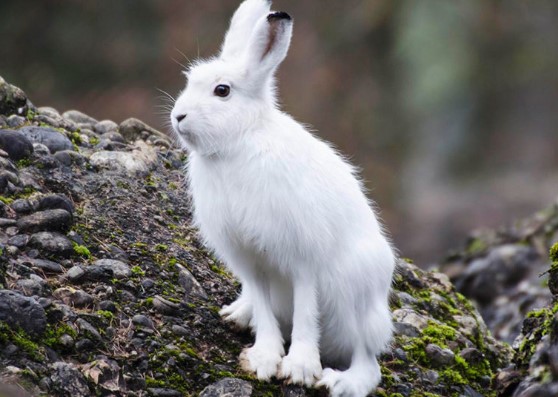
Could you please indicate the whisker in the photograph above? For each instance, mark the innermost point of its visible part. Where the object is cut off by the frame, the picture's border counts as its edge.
(185, 57)
(179, 63)
(169, 96)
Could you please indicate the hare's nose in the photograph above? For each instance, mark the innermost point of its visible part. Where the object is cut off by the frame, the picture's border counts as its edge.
(180, 117)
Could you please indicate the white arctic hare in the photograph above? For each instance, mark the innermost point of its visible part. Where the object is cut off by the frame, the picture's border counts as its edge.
(286, 214)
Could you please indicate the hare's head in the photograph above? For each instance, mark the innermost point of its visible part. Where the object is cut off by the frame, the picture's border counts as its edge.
(227, 95)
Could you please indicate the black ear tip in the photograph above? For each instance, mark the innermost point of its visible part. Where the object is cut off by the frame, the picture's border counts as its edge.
(276, 16)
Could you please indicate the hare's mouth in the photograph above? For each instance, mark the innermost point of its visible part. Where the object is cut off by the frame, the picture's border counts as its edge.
(186, 136)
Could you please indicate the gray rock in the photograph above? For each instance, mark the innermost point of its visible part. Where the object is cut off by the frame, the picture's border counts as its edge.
(411, 317)
(165, 306)
(106, 373)
(75, 274)
(108, 306)
(48, 111)
(228, 387)
(16, 121)
(66, 341)
(105, 127)
(84, 345)
(95, 273)
(79, 117)
(471, 355)
(46, 266)
(53, 220)
(147, 283)
(40, 150)
(119, 269)
(160, 392)
(179, 330)
(56, 201)
(113, 137)
(19, 311)
(22, 206)
(12, 99)
(439, 357)
(73, 297)
(69, 157)
(57, 122)
(17, 145)
(405, 329)
(34, 285)
(5, 222)
(142, 321)
(52, 243)
(54, 140)
(133, 129)
(189, 283)
(88, 330)
(140, 160)
(67, 381)
(19, 240)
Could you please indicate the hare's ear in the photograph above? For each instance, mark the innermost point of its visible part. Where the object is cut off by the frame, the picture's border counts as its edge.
(242, 25)
(269, 44)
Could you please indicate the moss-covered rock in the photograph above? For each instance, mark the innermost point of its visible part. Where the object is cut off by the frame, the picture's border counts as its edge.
(505, 271)
(534, 369)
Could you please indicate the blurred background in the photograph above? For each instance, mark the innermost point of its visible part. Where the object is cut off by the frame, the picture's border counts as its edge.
(450, 108)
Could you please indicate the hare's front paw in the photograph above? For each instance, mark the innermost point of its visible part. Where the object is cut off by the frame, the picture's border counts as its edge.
(238, 313)
(301, 366)
(260, 361)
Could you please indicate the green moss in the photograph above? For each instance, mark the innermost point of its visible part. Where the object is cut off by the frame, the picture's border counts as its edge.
(93, 140)
(452, 377)
(23, 163)
(554, 254)
(23, 341)
(53, 333)
(186, 348)
(106, 314)
(439, 332)
(219, 270)
(30, 115)
(6, 200)
(153, 383)
(75, 137)
(476, 246)
(82, 251)
(137, 271)
(473, 372)
(161, 247)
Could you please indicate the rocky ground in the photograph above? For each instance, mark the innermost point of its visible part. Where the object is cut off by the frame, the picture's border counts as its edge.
(505, 271)
(105, 290)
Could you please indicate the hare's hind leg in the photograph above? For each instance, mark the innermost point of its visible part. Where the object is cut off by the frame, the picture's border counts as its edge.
(362, 377)
(240, 312)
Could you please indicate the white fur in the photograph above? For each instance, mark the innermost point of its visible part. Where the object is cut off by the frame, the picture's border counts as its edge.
(287, 215)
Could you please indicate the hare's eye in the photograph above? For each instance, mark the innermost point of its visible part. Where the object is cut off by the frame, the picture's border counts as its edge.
(222, 90)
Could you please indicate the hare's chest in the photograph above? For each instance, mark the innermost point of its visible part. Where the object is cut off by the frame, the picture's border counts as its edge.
(226, 207)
